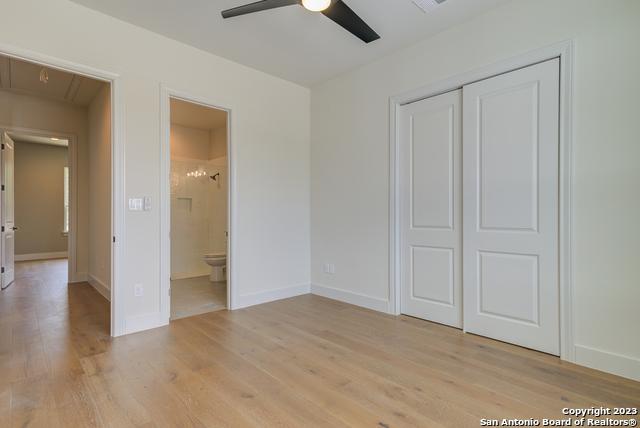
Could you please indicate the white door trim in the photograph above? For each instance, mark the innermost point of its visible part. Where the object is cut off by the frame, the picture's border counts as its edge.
(166, 93)
(563, 51)
(117, 165)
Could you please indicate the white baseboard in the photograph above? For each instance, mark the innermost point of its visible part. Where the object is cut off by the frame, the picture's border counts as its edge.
(374, 303)
(621, 365)
(41, 256)
(79, 277)
(269, 296)
(187, 275)
(100, 287)
(143, 322)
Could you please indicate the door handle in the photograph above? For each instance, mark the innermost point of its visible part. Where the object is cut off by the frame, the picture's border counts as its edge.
(14, 228)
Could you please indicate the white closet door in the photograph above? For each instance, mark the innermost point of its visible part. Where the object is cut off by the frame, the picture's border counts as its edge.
(430, 159)
(511, 207)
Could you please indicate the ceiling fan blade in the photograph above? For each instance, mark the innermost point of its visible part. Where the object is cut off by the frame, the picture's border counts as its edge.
(257, 7)
(342, 15)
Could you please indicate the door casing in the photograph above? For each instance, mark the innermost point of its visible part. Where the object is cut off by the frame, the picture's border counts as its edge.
(166, 94)
(117, 324)
(563, 51)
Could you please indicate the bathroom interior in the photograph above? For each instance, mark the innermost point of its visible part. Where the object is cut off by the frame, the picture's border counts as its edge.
(199, 209)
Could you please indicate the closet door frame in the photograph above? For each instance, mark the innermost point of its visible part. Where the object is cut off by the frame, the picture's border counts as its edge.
(563, 51)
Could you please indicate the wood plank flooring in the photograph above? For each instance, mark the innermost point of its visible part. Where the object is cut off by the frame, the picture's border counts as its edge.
(301, 362)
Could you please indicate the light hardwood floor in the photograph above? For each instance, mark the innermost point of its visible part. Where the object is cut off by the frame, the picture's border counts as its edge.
(301, 362)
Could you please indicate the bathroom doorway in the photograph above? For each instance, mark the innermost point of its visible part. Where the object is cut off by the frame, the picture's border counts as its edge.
(199, 207)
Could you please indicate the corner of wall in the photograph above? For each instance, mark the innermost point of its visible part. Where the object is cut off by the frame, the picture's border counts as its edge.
(357, 299)
(246, 300)
(99, 286)
(621, 365)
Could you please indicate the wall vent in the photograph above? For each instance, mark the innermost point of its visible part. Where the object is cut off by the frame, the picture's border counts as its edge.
(428, 5)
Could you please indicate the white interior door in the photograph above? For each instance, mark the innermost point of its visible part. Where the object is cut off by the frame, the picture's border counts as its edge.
(430, 197)
(8, 221)
(510, 219)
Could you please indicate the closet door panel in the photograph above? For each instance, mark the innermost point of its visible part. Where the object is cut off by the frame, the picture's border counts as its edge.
(510, 215)
(430, 179)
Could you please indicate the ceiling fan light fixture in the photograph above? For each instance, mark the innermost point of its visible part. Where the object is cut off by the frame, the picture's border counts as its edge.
(316, 5)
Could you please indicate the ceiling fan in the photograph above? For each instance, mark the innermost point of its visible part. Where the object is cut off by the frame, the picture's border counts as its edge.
(336, 10)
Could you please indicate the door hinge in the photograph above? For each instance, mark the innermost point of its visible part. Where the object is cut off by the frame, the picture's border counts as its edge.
(2, 269)
(2, 229)
(3, 187)
(114, 239)
(2, 146)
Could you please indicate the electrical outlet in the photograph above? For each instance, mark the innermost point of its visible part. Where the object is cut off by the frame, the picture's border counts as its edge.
(329, 268)
(138, 290)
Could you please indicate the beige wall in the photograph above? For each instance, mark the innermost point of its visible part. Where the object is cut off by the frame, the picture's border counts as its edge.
(201, 229)
(24, 111)
(99, 116)
(218, 144)
(39, 198)
(189, 143)
(350, 159)
(193, 143)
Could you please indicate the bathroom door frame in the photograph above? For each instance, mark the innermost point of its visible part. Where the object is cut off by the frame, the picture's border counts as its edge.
(166, 94)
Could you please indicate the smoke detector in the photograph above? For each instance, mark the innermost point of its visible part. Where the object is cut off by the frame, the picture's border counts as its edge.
(428, 5)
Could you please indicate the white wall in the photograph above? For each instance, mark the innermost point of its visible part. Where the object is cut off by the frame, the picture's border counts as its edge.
(99, 114)
(25, 111)
(350, 160)
(199, 205)
(198, 215)
(270, 134)
(218, 206)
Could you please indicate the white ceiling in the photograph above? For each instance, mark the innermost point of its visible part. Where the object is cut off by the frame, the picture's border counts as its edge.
(291, 42)
(24, 77)
(192, 115)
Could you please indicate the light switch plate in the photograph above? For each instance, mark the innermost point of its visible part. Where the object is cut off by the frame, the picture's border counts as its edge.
(136, 204)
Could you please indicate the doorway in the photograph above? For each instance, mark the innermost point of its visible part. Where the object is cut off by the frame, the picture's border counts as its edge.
(452, 262)
(35, 173)
(56, 169)
(199, 208)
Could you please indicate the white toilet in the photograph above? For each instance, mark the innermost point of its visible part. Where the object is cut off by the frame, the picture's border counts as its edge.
(218, 263)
